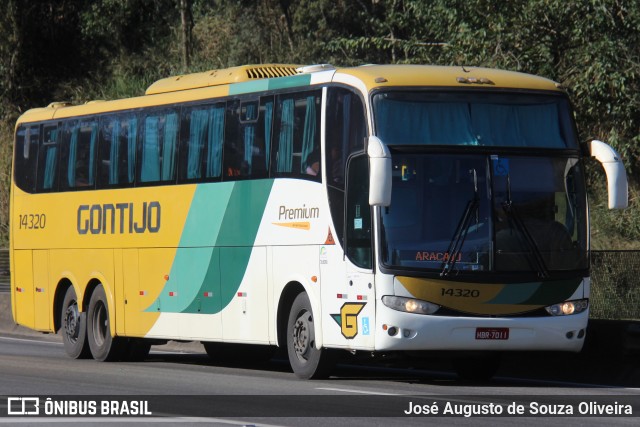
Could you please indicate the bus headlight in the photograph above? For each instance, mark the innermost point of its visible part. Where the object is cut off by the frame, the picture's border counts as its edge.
(568, 307)
(409, 305)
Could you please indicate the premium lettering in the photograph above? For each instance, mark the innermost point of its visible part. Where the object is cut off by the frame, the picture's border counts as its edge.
(304, 212)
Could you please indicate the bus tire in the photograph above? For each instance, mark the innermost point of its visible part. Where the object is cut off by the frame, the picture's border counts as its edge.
(74, 327)
(307, 361)
(104, 347)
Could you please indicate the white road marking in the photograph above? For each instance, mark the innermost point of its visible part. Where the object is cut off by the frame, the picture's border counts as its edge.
(31, 340)
(150, 420)
(346, 390)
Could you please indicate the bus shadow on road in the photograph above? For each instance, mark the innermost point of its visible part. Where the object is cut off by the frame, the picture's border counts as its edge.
(517, 370)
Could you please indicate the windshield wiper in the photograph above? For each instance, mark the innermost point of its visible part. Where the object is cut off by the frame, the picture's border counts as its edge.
(512, 213)
(457, 241)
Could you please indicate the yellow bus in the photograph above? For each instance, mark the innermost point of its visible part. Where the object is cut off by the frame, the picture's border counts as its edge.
(373, 209)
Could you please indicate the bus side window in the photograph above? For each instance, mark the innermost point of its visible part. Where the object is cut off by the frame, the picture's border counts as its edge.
(26, 157)
(346, 130)
(359, 212)
(248, 138)
(296, 137)
(201, 143)
(235, 164)
(48, 167)
(158, 147)
(117, 150)
(78, 160)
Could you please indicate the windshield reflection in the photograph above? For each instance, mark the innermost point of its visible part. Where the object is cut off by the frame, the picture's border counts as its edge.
(478, 119)
(480, 213)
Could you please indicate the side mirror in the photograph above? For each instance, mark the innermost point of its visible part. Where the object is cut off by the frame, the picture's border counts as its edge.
(616, 175)
(379, 172)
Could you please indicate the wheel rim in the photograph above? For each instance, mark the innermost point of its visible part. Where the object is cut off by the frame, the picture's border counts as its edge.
(100, 324)
(72, 322)
(303, 338)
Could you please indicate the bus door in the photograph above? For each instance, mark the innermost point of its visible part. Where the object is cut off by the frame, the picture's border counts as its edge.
(347, 275)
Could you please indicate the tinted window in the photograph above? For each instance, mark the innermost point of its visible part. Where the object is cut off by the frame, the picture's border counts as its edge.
(359, 213)
(346, 131)
(202, 140)
(26, 157)
(117, 157)
(296, 142)
(78, 162)
(48, 165)
(158, 145)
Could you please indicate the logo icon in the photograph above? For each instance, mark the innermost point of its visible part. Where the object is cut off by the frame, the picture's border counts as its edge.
(348, 318)
(23, 406)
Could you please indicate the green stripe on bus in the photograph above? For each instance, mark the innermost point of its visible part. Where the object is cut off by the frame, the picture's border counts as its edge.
(220, 230)
(536, 293)
(293, 81)
(515, 293)
(554, 292)
(270, 84)
(249, 87)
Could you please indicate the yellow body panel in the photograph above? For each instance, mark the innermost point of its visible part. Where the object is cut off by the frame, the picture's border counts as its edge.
(221, 77)
(106, 253)
(23, 288)
(42, 296)
(67, 213)
(375, 76)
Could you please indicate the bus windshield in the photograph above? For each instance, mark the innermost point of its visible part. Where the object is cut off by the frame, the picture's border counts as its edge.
(492, 209)
(476, 119)
(485, 213)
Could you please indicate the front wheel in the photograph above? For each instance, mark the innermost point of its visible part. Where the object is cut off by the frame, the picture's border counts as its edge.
(74, 327)
(306, 359)
(103, 346)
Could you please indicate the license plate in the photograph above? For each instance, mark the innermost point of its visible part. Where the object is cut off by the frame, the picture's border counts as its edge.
(492, 333)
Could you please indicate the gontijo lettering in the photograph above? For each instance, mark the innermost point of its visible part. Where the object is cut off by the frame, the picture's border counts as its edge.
(119, 218)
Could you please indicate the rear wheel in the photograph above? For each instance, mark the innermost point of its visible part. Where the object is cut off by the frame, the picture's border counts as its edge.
(103, 346)
(306, 359)
(74, 327)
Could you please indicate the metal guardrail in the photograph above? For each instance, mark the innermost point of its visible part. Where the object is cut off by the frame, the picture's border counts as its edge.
(615, 283)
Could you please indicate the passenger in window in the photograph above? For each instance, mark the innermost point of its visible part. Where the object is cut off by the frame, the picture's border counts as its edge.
(233, 161)
(313, 163)
(82, 176)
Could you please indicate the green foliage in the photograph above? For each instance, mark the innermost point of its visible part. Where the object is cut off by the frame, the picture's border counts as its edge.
(104, 49)
(615, 293)
(5, 183)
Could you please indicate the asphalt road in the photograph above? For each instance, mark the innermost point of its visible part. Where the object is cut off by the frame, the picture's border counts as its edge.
(185, 388)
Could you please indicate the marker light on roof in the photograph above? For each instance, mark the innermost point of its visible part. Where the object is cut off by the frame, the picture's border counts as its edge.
(475, 80)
